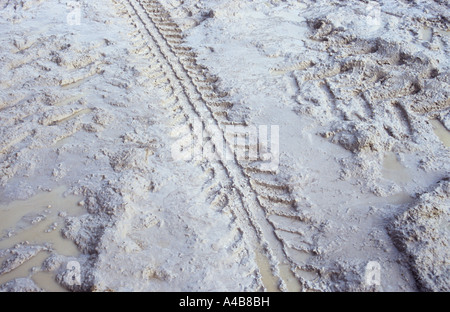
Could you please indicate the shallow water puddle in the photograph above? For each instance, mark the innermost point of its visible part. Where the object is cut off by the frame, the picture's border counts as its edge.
(46, 280)
(426, 33)
(393, 170)
(400, 199)
(442, 133)
(38, 221)
(289, 278)
(25, 270)
(269, 281)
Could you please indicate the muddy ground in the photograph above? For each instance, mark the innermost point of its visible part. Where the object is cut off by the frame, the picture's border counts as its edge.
(224, 145)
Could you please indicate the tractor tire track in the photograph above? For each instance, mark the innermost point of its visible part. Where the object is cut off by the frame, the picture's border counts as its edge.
(196, 99)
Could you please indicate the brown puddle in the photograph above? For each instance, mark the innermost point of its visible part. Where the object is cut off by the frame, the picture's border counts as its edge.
(271, 281)
(393, 170)
(38, 221)
(289, 278)
(442, 133)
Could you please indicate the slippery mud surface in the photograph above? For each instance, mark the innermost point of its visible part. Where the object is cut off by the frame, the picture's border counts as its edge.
(224, 145)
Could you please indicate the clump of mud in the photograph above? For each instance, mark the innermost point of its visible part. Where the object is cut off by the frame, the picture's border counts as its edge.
(20, 285)
(421, 234)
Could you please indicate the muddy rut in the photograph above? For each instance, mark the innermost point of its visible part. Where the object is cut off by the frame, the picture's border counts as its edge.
(260, 200)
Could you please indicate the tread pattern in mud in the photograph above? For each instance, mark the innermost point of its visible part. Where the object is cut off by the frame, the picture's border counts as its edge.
(267, 212)
(375, 91)
(46, 109)
(46, 96)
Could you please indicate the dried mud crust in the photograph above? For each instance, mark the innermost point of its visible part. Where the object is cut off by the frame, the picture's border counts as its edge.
(422, 234)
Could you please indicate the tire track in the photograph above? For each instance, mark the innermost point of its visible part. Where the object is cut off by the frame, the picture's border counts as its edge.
(252, 188)
(46, 94)
(384, 81)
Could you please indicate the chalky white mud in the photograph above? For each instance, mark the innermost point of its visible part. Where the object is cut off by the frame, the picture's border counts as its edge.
(95, 95)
